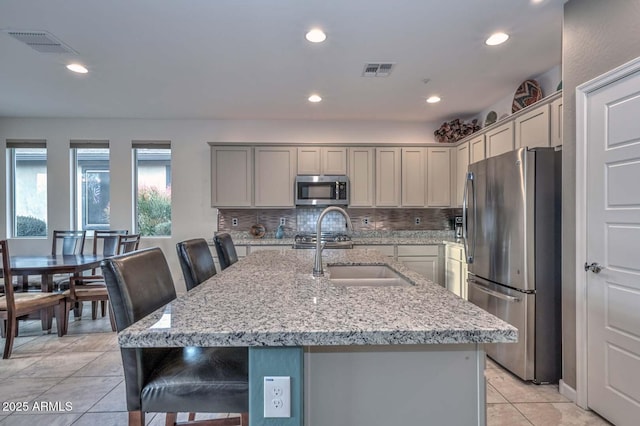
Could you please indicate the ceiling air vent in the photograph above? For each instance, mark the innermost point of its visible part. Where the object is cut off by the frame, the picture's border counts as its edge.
(378, 70)
(41, 41)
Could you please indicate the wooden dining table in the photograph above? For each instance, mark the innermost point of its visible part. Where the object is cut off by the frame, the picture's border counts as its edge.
(46, 266)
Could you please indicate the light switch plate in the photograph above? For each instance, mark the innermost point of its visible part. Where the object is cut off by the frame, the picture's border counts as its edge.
(277, 396)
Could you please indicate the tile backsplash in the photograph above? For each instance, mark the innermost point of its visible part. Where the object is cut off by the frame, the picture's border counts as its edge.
(303, 219)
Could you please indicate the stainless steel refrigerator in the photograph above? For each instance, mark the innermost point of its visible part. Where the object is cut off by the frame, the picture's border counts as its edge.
(511, 233)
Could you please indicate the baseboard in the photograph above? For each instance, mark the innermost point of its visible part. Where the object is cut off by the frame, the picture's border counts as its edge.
(567, 391)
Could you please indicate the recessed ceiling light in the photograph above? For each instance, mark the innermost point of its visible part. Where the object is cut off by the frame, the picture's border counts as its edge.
(316, 36)
(433, 99)
(497, 38)
(315, 98)
(77, 68)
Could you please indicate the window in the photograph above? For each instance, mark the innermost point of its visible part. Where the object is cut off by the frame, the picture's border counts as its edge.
(153, 188)
(91, 185)
(28, 188)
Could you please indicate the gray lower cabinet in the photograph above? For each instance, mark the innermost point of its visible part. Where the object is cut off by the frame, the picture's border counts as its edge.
(455, 270)
(424, 259)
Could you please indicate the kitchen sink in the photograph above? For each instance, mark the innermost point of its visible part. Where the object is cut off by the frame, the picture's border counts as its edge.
(365, 276)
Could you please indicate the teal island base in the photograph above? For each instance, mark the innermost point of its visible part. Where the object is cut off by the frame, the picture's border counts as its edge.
(438, 384)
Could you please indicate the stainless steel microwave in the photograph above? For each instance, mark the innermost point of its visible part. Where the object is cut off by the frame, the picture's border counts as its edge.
(322, 190)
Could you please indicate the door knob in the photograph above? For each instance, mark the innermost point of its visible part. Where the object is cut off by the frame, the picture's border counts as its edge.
(593, 267)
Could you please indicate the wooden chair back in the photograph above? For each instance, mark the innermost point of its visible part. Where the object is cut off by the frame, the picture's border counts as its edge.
(106, 242)
(68, 242)
(13, 306)
(128, 243)
(6, 276)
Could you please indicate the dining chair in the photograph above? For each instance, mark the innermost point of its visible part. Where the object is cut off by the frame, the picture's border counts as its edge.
(66, 243)
(14, 305)
(168, 380)
(63, 243)
(226, 250)
(105, 242)
(196, 261)
(95, 291)
(128, 243)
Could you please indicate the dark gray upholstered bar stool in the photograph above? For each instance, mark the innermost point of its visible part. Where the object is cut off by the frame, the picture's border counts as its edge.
(197, 266)
(226, 250)
(205, 380)
(196, 261)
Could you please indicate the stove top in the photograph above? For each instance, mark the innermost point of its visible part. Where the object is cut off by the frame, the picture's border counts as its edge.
(331, 240)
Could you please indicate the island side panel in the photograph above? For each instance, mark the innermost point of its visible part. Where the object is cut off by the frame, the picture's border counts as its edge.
(275, 361)
(386, 385)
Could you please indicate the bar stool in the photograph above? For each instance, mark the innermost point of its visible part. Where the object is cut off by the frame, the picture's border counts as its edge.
(205, 380)
(196, 261)
(226, 250)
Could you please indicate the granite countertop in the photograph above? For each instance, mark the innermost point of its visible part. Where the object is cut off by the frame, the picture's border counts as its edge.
(271, 299)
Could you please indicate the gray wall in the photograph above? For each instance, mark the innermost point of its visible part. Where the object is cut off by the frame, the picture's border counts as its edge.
(597, 36)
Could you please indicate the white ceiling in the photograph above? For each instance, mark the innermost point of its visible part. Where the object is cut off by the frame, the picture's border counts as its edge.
(248, 59)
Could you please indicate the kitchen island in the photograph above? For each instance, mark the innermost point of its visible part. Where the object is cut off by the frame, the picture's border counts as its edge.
(356, 355)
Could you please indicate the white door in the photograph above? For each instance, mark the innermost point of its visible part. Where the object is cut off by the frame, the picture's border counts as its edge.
(613, 241)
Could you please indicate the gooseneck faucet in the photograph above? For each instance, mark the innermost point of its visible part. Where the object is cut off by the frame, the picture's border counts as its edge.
(317, 265)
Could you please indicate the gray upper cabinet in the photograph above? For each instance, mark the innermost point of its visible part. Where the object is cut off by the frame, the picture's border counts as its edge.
(414, 177)
(532, 128)
(477, 149)
(322, 160)
(500, 139)
(275, 172)
(388, 177)
(231, 176)
(438, 177)
(361, 176)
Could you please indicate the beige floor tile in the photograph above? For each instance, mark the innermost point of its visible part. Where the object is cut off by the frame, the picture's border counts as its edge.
(94, 342)
(61, 364)
(107, 364)
(82, 392)
(41, 419)
(116, 418)
(494, 397)
(113, 401)
(17, 362)
(22, 339)
(87, 325)
(47, 344)
(515, 390)
(25, 389)
(505, 415)
(559, 414)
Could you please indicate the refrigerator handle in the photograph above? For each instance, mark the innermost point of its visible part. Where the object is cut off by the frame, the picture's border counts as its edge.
(465, 210)
(493, 293)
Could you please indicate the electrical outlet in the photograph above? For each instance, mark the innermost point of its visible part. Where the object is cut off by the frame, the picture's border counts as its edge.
(283, 221)
(277, 396)
(365, 220)
(417, 220)
(234, 221)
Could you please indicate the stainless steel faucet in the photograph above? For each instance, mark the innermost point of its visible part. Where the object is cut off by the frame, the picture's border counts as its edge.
(317, 265)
